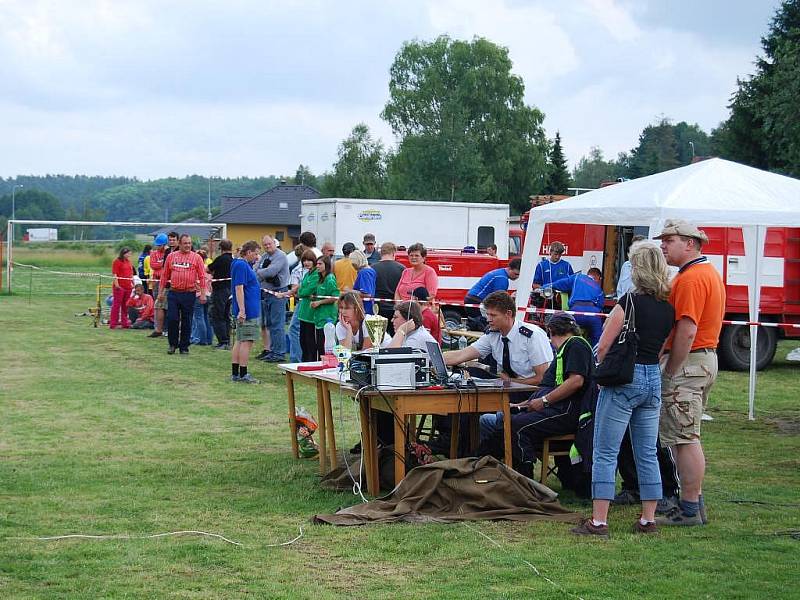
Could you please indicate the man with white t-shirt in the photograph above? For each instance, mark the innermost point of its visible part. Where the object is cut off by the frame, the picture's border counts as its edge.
(522, 350)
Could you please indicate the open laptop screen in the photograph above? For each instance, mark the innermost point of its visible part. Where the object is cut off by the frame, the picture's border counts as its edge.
(437, 361)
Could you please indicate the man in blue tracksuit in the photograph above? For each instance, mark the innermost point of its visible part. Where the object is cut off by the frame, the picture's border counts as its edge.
(585, 295)
(550, 269)
(496, 280)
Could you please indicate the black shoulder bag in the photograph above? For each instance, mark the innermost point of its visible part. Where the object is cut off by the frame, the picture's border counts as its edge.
(618, 366)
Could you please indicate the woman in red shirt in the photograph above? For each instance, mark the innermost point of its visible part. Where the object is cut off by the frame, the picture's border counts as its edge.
(122, 269)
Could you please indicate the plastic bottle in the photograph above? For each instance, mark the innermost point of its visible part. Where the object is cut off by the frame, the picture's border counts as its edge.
(462, 342)
(330, 336)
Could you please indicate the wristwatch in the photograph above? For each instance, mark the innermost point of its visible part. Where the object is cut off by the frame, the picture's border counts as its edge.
(545, 403)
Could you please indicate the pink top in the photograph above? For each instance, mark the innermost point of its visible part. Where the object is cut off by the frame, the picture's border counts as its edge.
(411, 280)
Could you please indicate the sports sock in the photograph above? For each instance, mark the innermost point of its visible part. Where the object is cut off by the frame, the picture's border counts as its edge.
(242, 370)
(598, 523)
(235, 369)
(689, 508)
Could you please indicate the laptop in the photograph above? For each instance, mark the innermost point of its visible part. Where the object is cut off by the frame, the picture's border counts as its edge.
(442, 376)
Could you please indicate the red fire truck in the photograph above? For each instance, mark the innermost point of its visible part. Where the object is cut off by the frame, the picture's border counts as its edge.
(605, 247)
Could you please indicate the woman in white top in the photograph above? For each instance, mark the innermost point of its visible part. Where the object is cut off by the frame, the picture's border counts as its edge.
(351, 331)
(408, 329)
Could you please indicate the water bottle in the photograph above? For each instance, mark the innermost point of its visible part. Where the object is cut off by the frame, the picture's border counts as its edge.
(330, 336)
(462, 342)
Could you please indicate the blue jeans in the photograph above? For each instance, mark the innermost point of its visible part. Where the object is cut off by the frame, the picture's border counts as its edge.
(637, 406)
(273, 312)
(202, 333)
(295, 351)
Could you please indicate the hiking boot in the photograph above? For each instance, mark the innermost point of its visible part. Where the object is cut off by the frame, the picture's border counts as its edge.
(171, 350)
(155, 334)
(262, 355)
(248, 379)
(666, 504)
(235, 378)
(275, 358)
(625, 498)
(588, 528)
(649, 528)
(677, 517)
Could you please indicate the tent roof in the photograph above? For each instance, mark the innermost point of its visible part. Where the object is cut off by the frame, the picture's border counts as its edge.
(709, 192)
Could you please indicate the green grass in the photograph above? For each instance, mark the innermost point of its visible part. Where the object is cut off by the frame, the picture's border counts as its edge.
(102, 433)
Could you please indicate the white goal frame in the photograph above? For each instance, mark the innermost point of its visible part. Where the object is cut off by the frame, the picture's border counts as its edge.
(12, 222)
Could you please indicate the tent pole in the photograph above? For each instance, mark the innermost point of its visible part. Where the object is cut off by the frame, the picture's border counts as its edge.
(755, 305)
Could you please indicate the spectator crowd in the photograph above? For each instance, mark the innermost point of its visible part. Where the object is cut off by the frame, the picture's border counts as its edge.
(648, 429)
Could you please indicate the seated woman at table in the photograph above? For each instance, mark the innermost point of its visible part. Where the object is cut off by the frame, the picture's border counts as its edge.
(408, 329)
(351, 330)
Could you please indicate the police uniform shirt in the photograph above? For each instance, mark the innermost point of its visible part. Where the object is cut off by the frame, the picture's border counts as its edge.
(528, 347)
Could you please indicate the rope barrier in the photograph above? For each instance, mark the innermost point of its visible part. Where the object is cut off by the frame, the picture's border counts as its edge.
(528, 310)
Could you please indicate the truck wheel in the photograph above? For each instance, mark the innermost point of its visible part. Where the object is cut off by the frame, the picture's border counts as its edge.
(452, 320)
(734, 347)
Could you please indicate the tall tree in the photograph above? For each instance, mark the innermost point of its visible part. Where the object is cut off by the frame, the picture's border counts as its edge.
(304, 176)
(558, 179)
(763, 129)
(593, 169)
(360, 171)
(465, 131)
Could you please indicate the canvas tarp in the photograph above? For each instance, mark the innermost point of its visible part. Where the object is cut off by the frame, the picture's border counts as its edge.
(463, 489)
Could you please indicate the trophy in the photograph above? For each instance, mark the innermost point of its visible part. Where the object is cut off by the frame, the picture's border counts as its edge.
(376, 328)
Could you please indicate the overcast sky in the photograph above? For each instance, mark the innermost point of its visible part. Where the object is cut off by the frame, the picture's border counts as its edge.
(246, 87)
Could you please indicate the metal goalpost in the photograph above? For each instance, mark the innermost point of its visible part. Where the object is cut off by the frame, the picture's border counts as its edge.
(12, 222)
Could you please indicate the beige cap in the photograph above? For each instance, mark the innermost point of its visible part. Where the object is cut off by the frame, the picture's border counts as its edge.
(681, 227)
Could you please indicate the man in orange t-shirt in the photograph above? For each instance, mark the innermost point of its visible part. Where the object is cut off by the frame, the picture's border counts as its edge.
(689, 366)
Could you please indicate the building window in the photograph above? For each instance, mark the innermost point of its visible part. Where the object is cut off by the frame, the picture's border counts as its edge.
(283, 205)
(279, 235)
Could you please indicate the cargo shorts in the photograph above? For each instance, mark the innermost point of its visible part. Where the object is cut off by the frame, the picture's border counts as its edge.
(162, 304)
(684, 397)
(248, 331)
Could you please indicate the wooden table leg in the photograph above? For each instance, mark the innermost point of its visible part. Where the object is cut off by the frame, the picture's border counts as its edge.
(507, 431)
(326, 388)
(368, 449)
(399, 447)
(292, 422)
(322, 428)
(455, 428)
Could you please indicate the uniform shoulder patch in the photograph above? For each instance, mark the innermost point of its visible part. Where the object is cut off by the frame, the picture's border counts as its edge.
(525, 331)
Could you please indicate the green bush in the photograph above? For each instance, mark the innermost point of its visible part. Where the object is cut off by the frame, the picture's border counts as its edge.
(134, 245)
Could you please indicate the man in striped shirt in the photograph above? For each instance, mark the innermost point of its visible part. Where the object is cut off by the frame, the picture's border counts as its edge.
(184, 272)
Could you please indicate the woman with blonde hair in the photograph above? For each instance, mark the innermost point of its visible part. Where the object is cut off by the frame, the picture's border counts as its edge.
(351, 330)
(635, 405)
(365, 279)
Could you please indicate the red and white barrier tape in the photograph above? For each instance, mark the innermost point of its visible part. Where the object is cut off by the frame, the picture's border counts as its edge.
(530, 309)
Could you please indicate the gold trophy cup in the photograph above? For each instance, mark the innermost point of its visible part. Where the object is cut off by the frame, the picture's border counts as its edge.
(376, 328)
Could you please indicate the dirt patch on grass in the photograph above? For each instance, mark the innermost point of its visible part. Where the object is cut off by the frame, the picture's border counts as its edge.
(786, 425)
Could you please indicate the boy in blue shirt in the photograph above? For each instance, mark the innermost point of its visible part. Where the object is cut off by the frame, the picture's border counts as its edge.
(553, 268)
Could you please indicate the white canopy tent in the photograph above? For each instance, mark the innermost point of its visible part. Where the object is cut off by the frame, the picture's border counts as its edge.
(711, 193)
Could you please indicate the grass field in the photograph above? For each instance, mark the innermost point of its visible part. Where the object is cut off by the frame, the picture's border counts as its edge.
(101, 432)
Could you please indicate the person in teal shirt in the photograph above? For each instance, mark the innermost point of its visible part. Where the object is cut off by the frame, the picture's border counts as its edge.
(317, 292)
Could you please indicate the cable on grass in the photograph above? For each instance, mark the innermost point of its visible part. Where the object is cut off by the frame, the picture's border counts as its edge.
(289, 543)
(524, 562)
(127, 537)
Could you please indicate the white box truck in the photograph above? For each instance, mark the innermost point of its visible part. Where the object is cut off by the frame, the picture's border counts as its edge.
(441, 225)
(42, 234)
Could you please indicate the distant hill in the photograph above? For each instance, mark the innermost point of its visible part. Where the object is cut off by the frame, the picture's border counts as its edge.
(128, 199)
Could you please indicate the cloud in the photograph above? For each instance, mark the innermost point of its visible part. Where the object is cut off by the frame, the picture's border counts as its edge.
(245, 87)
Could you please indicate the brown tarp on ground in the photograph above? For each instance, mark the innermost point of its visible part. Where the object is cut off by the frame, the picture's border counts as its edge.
(463, 489)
